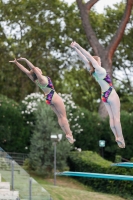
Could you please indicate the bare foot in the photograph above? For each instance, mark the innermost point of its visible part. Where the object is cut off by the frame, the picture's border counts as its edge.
(120, 144)
(70, 138)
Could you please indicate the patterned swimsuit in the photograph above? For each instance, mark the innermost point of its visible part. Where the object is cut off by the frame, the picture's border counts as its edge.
(105, 95)
(51, 93)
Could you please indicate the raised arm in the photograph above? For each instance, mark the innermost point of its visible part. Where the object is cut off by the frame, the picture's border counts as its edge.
(31, 66)
(36, 70)
(82, 57)
(88, 56)
(22, 68)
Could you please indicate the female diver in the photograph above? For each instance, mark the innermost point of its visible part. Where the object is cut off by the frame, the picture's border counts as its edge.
(52, 98)
(109, 95)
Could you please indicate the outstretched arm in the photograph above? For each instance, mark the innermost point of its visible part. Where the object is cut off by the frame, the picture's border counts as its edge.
(31, 66)
(82, 57)
(88, 56)
(36, 70)
(22, 68)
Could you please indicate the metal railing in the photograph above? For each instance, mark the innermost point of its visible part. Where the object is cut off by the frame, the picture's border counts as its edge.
(20, 180)
(18, 157)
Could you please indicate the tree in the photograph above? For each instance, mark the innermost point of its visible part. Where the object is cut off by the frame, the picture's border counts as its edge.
(41, 149)
(14, 133)
(105, 53)
(30, 104)
(85, 91)
(74, 113)
(31, 29)
(44, 37)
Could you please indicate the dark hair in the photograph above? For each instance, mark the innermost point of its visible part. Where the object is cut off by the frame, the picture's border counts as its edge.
(92, 69)
(34, 76)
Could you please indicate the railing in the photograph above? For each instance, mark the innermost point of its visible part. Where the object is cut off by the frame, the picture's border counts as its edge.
(18, 157)
(20, 180)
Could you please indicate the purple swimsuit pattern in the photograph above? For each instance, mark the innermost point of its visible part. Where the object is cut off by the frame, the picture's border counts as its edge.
(108, 79)
(105, 95)
(50, 84)
(50, 95)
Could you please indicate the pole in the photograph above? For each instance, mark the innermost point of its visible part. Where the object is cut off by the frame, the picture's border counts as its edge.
(102, 152)
(54, 163)
(30, 188)
(12, 175)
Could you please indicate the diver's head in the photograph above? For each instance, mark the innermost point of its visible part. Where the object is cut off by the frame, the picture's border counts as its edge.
(92, 69)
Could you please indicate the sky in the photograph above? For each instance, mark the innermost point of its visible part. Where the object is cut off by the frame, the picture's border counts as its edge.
(99, 6)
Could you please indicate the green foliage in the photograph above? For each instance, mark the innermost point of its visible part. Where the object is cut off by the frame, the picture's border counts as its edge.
(14, 133)
(36, 33)
(102, 23)
(117, 158)
(73, 113)
(42, 31)
(84, 89)
(127, 124)
(41, 149)
(26, 164)
(126, 98)
(95, 129)
(91, 162)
